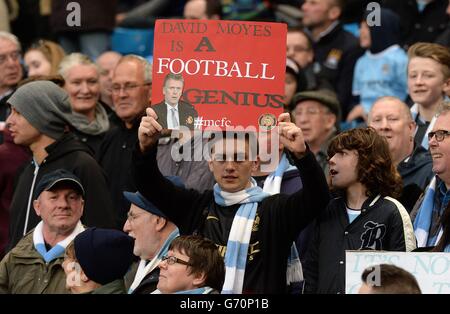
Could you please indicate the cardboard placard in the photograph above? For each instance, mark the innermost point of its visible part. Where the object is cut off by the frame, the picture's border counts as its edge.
(233, 72)
(432, 270)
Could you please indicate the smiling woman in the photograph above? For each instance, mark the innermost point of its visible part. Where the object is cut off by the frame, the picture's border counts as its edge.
(192, 265)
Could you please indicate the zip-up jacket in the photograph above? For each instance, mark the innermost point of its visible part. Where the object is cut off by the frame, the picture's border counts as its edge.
(69, 154)
(383, 224)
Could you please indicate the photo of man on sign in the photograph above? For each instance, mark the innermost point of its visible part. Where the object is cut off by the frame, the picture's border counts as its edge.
(173, 112)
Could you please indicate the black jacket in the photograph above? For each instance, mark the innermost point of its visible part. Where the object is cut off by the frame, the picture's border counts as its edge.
(382, 225)
(278, 221)
(335, 57)
(416, 173)
(71, 155)
(114, 156)
(418, 26)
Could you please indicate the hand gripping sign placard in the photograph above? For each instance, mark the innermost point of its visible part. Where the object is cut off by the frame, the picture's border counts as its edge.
(218, 74)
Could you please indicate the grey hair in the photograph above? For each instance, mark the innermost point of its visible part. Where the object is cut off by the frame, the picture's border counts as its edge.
(444, 108)
(74, 59)
(11, 37)
(148, 68)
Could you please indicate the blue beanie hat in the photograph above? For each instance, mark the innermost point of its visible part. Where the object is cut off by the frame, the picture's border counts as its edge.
(104, 255)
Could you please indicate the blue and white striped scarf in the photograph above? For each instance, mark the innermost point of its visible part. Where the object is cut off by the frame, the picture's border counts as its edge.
(422, 222)
(414, 113)
(272, 185)
(59, 248)
(241, 229)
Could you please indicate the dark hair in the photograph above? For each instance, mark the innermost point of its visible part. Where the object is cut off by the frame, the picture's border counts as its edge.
(392, 280)
(214, 7)
(204, 257)
(375, 168)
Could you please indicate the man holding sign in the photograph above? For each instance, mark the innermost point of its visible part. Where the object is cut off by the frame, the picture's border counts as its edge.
(253, 230)
(173, 112)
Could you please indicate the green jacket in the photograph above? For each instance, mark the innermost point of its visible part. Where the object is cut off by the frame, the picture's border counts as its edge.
(114, 287)
(23, 270)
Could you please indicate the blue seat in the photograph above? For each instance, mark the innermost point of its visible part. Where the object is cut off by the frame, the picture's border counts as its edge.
(133, 41)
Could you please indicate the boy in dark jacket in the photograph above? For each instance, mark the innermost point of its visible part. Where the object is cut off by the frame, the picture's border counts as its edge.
(364, 217)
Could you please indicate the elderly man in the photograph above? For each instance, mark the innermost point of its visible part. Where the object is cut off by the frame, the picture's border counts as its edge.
(10, 73)
(39, 120)
(131, 92)
(35, 264)
(429, 209)
(153, 233)
(317, 113)
(392, 119)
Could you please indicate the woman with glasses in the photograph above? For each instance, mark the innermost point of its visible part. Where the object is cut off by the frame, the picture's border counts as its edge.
(193, 265)
(43, 58)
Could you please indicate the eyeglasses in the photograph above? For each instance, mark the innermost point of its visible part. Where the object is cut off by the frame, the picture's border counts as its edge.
(440, 135)
(170, 260)
(127, 88)
(131, 217)
(15, 55)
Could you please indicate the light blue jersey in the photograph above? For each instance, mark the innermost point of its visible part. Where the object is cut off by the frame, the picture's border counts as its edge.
(381, 74)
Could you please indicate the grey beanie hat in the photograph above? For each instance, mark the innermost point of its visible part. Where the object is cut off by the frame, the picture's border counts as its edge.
(45, 105)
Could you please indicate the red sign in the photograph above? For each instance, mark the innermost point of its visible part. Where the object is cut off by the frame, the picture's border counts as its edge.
(231, 73)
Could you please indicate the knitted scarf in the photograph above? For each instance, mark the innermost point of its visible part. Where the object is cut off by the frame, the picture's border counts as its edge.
(415, 112)
(272, 185)
(145, 268)
(59, 248)
(422, 223)
(241, 229)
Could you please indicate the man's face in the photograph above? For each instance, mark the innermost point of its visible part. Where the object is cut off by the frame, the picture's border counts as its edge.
(195, 10)
(172, 90)
(142, 226)
(390, 120)
(10, 69)
(426, 81)
(131, 94)
(440, 151)
(60, 208)
(315, 120)
(83, 88)
(316, 12)
(231, 164)
(297, 48)
(343, 169)
(107, 62)
(176, 277)
(22, 132)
